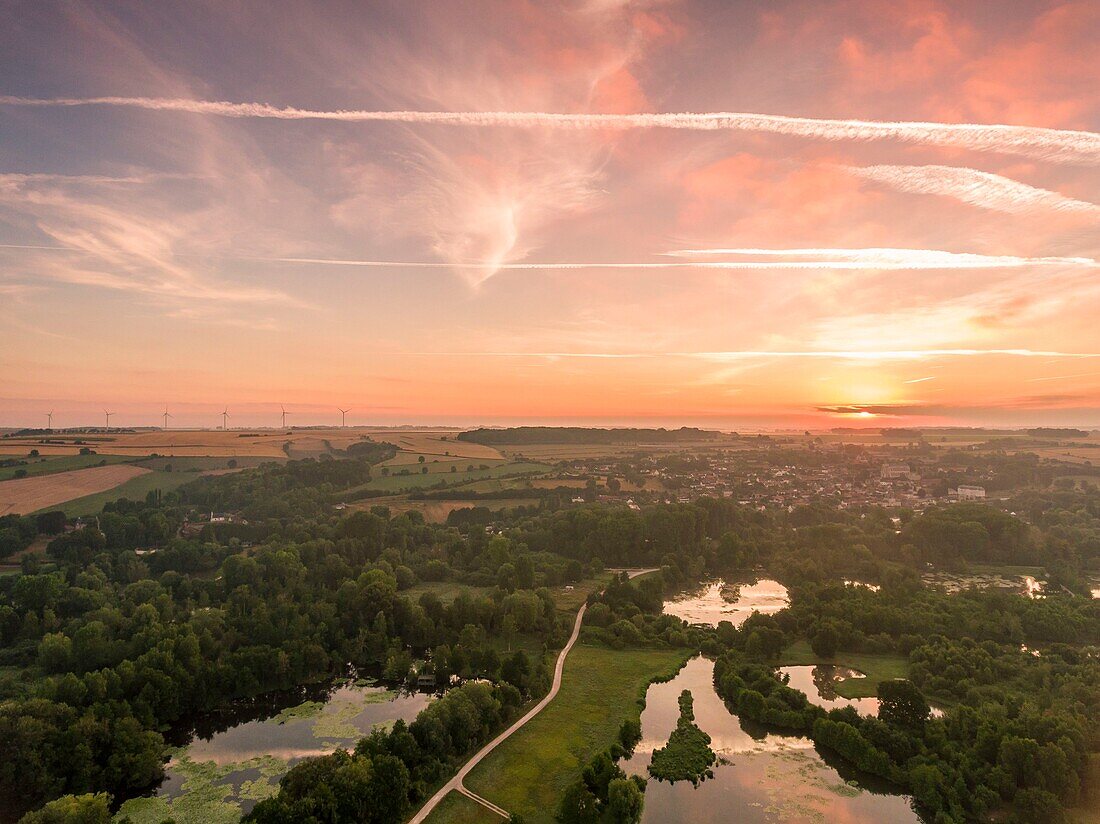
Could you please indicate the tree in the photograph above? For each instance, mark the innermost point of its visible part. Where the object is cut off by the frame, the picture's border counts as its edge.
(525, 572)
(516, 670)
(630, 733)
(825, 641)
(579, 805)
(624, 801)
(902, 704)
(1035, 806)
(73, 809)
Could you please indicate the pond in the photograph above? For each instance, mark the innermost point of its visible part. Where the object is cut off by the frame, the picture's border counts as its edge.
(236, 758)
(734, 602)
(762, 776)
(819, 684)
(1026, 585)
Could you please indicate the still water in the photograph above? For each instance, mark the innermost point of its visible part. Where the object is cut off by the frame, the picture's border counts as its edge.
(720, 601)
(235, 759)
(762, 776)
(819, 685)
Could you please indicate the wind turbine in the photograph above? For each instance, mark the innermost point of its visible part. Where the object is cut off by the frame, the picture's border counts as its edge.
(343, 412)
(108, 414)
(284, 415)
(225, 416)
(166, 417)
(49, 417)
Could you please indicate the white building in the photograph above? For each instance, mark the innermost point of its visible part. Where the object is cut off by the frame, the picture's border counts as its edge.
(968, 492)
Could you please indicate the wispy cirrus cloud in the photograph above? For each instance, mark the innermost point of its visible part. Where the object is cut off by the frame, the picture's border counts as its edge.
(119, 247)
(1059, 145)
(983, 189)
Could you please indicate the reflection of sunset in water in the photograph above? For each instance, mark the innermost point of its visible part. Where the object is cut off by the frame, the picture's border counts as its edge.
(719, 601)
(763, 777)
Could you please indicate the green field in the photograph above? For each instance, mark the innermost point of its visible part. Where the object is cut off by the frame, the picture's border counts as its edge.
(455, 808)
(566, 600)
(877, 668)
(203, 463)
(418, 480)
(445, 591)
(601, 688)
(48, 465)
(135, 489)
(438, 459)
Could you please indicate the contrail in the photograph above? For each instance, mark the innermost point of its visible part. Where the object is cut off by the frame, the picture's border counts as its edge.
(983, 189)
(1061, 145)
(752, 354)
(877, 258)
(803, 259)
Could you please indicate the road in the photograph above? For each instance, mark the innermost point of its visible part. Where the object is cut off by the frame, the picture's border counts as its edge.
(456, 782)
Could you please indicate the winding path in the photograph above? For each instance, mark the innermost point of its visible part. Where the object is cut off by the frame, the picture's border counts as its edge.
(456, 782)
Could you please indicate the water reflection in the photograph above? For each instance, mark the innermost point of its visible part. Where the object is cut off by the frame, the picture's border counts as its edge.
(819, 685)
(1026, 585)
(864, 584)
(235, 758)
(718, 601)
(762, 776)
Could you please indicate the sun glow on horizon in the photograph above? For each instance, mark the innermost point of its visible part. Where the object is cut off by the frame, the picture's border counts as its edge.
(924, 240)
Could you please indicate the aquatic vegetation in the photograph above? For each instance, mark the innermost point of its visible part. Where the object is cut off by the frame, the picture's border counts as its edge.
(687, 756)
(310, 709)
(206, 797)
(335, 721)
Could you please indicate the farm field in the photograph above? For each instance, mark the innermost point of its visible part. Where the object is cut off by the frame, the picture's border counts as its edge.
(553, 452)
(204, 464)
(436, 512)
(409, 463)
(418, 480)
(529, 772)
(1077, 454)
(60, 463)
(269, 443)
(437, 442)
(136, 488)
(439, 459)
(26, 495)
(13, 564)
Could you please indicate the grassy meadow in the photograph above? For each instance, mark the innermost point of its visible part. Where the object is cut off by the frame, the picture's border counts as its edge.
(529, 772)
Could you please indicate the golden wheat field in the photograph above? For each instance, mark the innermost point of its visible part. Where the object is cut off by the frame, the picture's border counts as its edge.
(23, 495)
(266, 443)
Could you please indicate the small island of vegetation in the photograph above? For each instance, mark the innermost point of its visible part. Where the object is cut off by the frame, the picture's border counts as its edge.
(687, 756)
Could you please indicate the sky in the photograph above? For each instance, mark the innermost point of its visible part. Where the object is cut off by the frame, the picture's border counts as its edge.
(719, 213)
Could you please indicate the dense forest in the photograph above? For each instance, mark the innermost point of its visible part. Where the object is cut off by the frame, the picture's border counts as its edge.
(148, 615)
